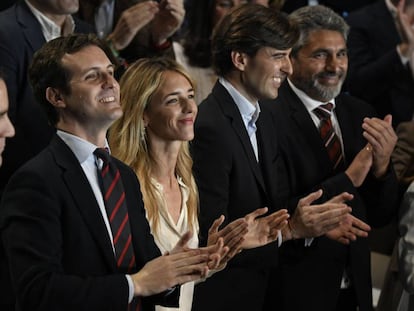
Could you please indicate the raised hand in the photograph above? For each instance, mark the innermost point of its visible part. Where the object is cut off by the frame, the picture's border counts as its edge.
(131, 21)
(232, 236)
(310, 221)
(381, 136)
(215, 251)
(349, 230)
(263, 230)
(168, 20)
(360, 166)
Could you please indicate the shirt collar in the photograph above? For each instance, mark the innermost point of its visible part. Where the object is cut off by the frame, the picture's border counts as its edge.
(249, 111)
(80, 147)
(49, 29)
(309, 103)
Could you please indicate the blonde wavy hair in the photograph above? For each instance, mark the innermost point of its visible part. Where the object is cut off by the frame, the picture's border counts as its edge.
(128, 140)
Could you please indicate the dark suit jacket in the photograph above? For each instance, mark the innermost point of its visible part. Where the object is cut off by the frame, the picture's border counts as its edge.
(232, 183)
(376, 73)
(311, 276)
(20, 37)
(58, 251)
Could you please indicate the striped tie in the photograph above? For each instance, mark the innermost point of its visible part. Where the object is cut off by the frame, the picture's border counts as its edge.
(328, 135)
(116, 209)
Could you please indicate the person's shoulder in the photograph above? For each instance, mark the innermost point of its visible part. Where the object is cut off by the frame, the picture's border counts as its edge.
(8, 17)
(209, 106)
(354, 103)
(14, 21)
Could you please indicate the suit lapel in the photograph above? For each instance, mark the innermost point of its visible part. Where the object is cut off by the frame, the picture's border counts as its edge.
(30, 26)
(231, 111)
(348, 132)
(83, 196)
(305, 125)
(267, 145)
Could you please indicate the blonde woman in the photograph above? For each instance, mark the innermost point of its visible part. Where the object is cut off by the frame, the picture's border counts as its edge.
(152, 137)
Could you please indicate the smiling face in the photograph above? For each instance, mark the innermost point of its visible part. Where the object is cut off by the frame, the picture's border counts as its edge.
(6, 128)
(320, 66)
(262, 74)
(171, 112)
(93, 102)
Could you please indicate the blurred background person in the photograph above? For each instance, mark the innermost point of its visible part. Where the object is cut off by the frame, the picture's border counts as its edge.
(378, 59)
(135, 28)
(24, 28)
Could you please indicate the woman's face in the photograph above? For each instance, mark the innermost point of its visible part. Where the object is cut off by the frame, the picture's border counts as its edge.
(222, 7)
(172, 111)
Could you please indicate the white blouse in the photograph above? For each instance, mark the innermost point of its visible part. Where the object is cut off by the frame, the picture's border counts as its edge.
(169, 234)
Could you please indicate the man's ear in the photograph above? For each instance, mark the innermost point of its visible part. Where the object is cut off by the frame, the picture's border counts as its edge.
(239, 60)
(54, 96)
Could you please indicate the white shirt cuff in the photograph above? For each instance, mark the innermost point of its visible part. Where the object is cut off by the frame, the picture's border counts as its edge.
(131, 288)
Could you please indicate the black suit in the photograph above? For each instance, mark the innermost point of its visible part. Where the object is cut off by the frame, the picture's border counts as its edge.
(58, 250)
(232, 183)
(311, 276)
(376, 73)
(20, 36)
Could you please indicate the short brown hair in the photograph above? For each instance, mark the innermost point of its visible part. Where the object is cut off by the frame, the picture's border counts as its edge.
(47, 70)
(248, 28)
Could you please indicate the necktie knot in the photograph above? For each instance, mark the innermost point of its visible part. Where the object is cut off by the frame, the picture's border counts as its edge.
(103, 154)
(323, 112)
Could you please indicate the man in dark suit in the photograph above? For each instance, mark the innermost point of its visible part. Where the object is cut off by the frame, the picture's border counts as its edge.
(327, 275)
(378, 58)
(60, 251)
(237, 163)
(23, 30)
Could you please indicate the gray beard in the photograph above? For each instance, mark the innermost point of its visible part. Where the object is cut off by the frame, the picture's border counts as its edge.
(317, 91)
(326, 93)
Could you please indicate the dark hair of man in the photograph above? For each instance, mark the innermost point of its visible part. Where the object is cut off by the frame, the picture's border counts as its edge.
(197, 39)
(318, 17)
(47, 70)
(248, 28)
